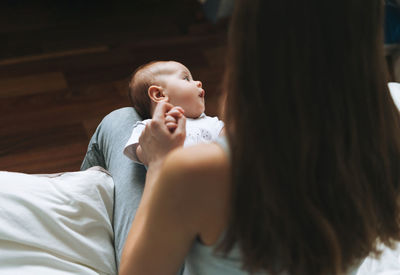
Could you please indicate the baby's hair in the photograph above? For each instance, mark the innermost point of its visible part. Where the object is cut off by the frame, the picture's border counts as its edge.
(141, 80)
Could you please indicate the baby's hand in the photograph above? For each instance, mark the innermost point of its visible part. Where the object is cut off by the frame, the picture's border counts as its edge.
(171, 118)
(156, 140)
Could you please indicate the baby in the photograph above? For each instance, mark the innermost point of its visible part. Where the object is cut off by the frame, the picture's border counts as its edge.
(172, 82)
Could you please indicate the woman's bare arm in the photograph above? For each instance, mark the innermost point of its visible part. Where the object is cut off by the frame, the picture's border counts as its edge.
(184, 198)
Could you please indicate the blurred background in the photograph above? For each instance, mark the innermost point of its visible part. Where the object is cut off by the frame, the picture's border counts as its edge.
(64, 65)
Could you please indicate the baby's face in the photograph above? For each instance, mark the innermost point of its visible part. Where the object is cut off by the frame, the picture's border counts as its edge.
(181, 90)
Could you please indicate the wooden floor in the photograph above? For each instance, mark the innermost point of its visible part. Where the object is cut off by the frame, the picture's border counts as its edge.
(63, 67)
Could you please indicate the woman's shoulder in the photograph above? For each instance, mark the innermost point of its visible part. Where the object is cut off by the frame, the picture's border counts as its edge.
(198, 176)
(202, 160)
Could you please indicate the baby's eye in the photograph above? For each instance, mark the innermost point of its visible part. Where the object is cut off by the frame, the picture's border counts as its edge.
(186, 78)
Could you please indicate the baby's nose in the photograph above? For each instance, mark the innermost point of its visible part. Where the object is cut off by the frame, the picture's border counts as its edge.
(199, 84)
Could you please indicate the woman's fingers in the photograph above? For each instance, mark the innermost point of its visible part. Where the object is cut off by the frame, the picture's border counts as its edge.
(171, 123)
(170, 119)
(161, 109)
(171, 126)
(180, 131)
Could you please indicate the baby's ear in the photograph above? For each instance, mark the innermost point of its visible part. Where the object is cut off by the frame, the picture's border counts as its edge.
(156, 93)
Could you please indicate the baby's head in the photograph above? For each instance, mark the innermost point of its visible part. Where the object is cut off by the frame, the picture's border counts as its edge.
(167, 81)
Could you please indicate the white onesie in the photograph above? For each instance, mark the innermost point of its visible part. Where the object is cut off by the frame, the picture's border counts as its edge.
(198, 130)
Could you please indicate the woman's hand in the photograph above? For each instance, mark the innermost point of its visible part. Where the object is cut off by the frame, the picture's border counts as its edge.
(157, 139)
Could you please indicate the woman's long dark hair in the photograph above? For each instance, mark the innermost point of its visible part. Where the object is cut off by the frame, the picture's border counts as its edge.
(314, 135)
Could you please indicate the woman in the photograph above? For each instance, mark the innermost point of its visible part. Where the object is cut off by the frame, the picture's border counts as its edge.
(310, 179)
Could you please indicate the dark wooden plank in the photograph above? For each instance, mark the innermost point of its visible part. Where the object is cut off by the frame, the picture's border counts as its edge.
(32, 84)
(52, 55)
(37, 137)
(67, 157)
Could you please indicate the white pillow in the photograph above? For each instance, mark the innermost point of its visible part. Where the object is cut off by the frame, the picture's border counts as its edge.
(395, 92)
(56, 225)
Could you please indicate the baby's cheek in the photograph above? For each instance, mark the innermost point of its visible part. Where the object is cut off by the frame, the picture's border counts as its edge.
(185, 102)
(191, 98)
